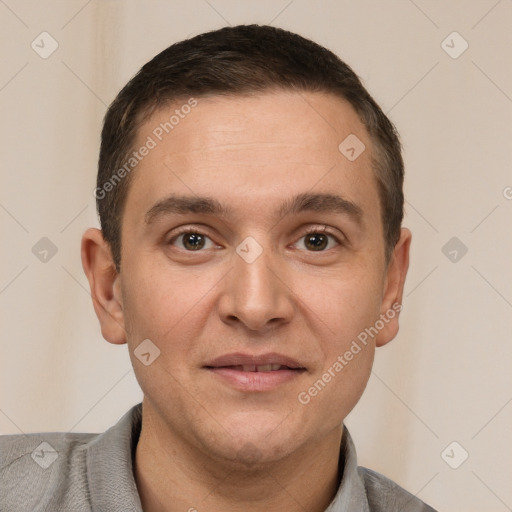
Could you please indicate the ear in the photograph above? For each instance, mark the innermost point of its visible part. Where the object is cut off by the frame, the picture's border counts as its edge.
(104, 282)
(394, 288)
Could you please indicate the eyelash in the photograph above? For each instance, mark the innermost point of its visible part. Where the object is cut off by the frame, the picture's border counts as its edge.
(188, 230)
(323, 230)
(313, 230)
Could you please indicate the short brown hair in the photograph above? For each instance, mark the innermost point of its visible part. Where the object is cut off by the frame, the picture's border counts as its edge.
(245, 59)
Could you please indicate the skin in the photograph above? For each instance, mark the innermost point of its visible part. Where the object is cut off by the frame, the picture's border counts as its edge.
(205, 444)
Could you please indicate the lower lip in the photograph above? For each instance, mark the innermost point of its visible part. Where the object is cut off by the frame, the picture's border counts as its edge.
(255, 381)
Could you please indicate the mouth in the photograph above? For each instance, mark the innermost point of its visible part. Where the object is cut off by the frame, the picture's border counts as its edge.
(255, 372)
(257, 368)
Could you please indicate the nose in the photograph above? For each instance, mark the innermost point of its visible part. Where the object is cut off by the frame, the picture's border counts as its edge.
(256, 294)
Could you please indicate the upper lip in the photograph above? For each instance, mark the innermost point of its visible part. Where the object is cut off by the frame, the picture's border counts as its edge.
(240, 359)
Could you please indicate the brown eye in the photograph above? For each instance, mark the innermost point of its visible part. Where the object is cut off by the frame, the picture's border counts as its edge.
(316, 241)
(192, 241)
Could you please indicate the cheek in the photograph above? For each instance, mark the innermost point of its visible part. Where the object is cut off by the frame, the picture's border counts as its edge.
(159, 301)
(167, 308)
(347, 353)
(342, 308)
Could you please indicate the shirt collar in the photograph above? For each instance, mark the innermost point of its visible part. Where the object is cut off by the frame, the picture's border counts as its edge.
(110, 464)
(351, 495)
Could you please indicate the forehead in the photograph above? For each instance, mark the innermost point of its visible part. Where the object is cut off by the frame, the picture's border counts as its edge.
(309, 120)
(265, 147)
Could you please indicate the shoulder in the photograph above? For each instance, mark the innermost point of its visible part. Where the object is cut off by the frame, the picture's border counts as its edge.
(43, 468)
(384, 495)
(71, 471)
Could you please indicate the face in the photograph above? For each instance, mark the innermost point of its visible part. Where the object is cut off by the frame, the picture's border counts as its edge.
(251, 242)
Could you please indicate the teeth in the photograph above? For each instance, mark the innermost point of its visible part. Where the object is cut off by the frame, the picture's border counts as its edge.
(260, 368)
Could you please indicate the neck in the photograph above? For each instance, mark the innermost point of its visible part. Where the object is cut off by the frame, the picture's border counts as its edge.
(172, 476)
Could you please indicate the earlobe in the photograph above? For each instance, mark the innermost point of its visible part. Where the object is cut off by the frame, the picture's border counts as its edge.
(394, 288)
(100, 270)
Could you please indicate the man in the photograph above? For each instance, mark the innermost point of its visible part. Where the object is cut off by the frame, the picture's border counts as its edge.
(252, 257)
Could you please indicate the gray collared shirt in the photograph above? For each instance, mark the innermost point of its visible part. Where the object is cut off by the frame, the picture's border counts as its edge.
(60, 472)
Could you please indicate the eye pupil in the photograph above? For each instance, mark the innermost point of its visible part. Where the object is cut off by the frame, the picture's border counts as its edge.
(316, 241)
(193, 241)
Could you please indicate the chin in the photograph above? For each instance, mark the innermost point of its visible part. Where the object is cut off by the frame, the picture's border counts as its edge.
(257, 438)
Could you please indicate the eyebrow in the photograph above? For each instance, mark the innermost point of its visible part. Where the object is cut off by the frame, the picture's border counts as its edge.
(181, 205)
(322, 203)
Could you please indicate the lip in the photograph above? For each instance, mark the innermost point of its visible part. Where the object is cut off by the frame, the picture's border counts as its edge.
(225, 369)
(239, 358)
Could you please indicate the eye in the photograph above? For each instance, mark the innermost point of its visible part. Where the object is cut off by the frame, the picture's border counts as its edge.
(192, 241)
(317, 240)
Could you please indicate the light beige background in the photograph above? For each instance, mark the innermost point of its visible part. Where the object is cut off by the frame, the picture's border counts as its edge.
(447, 376)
